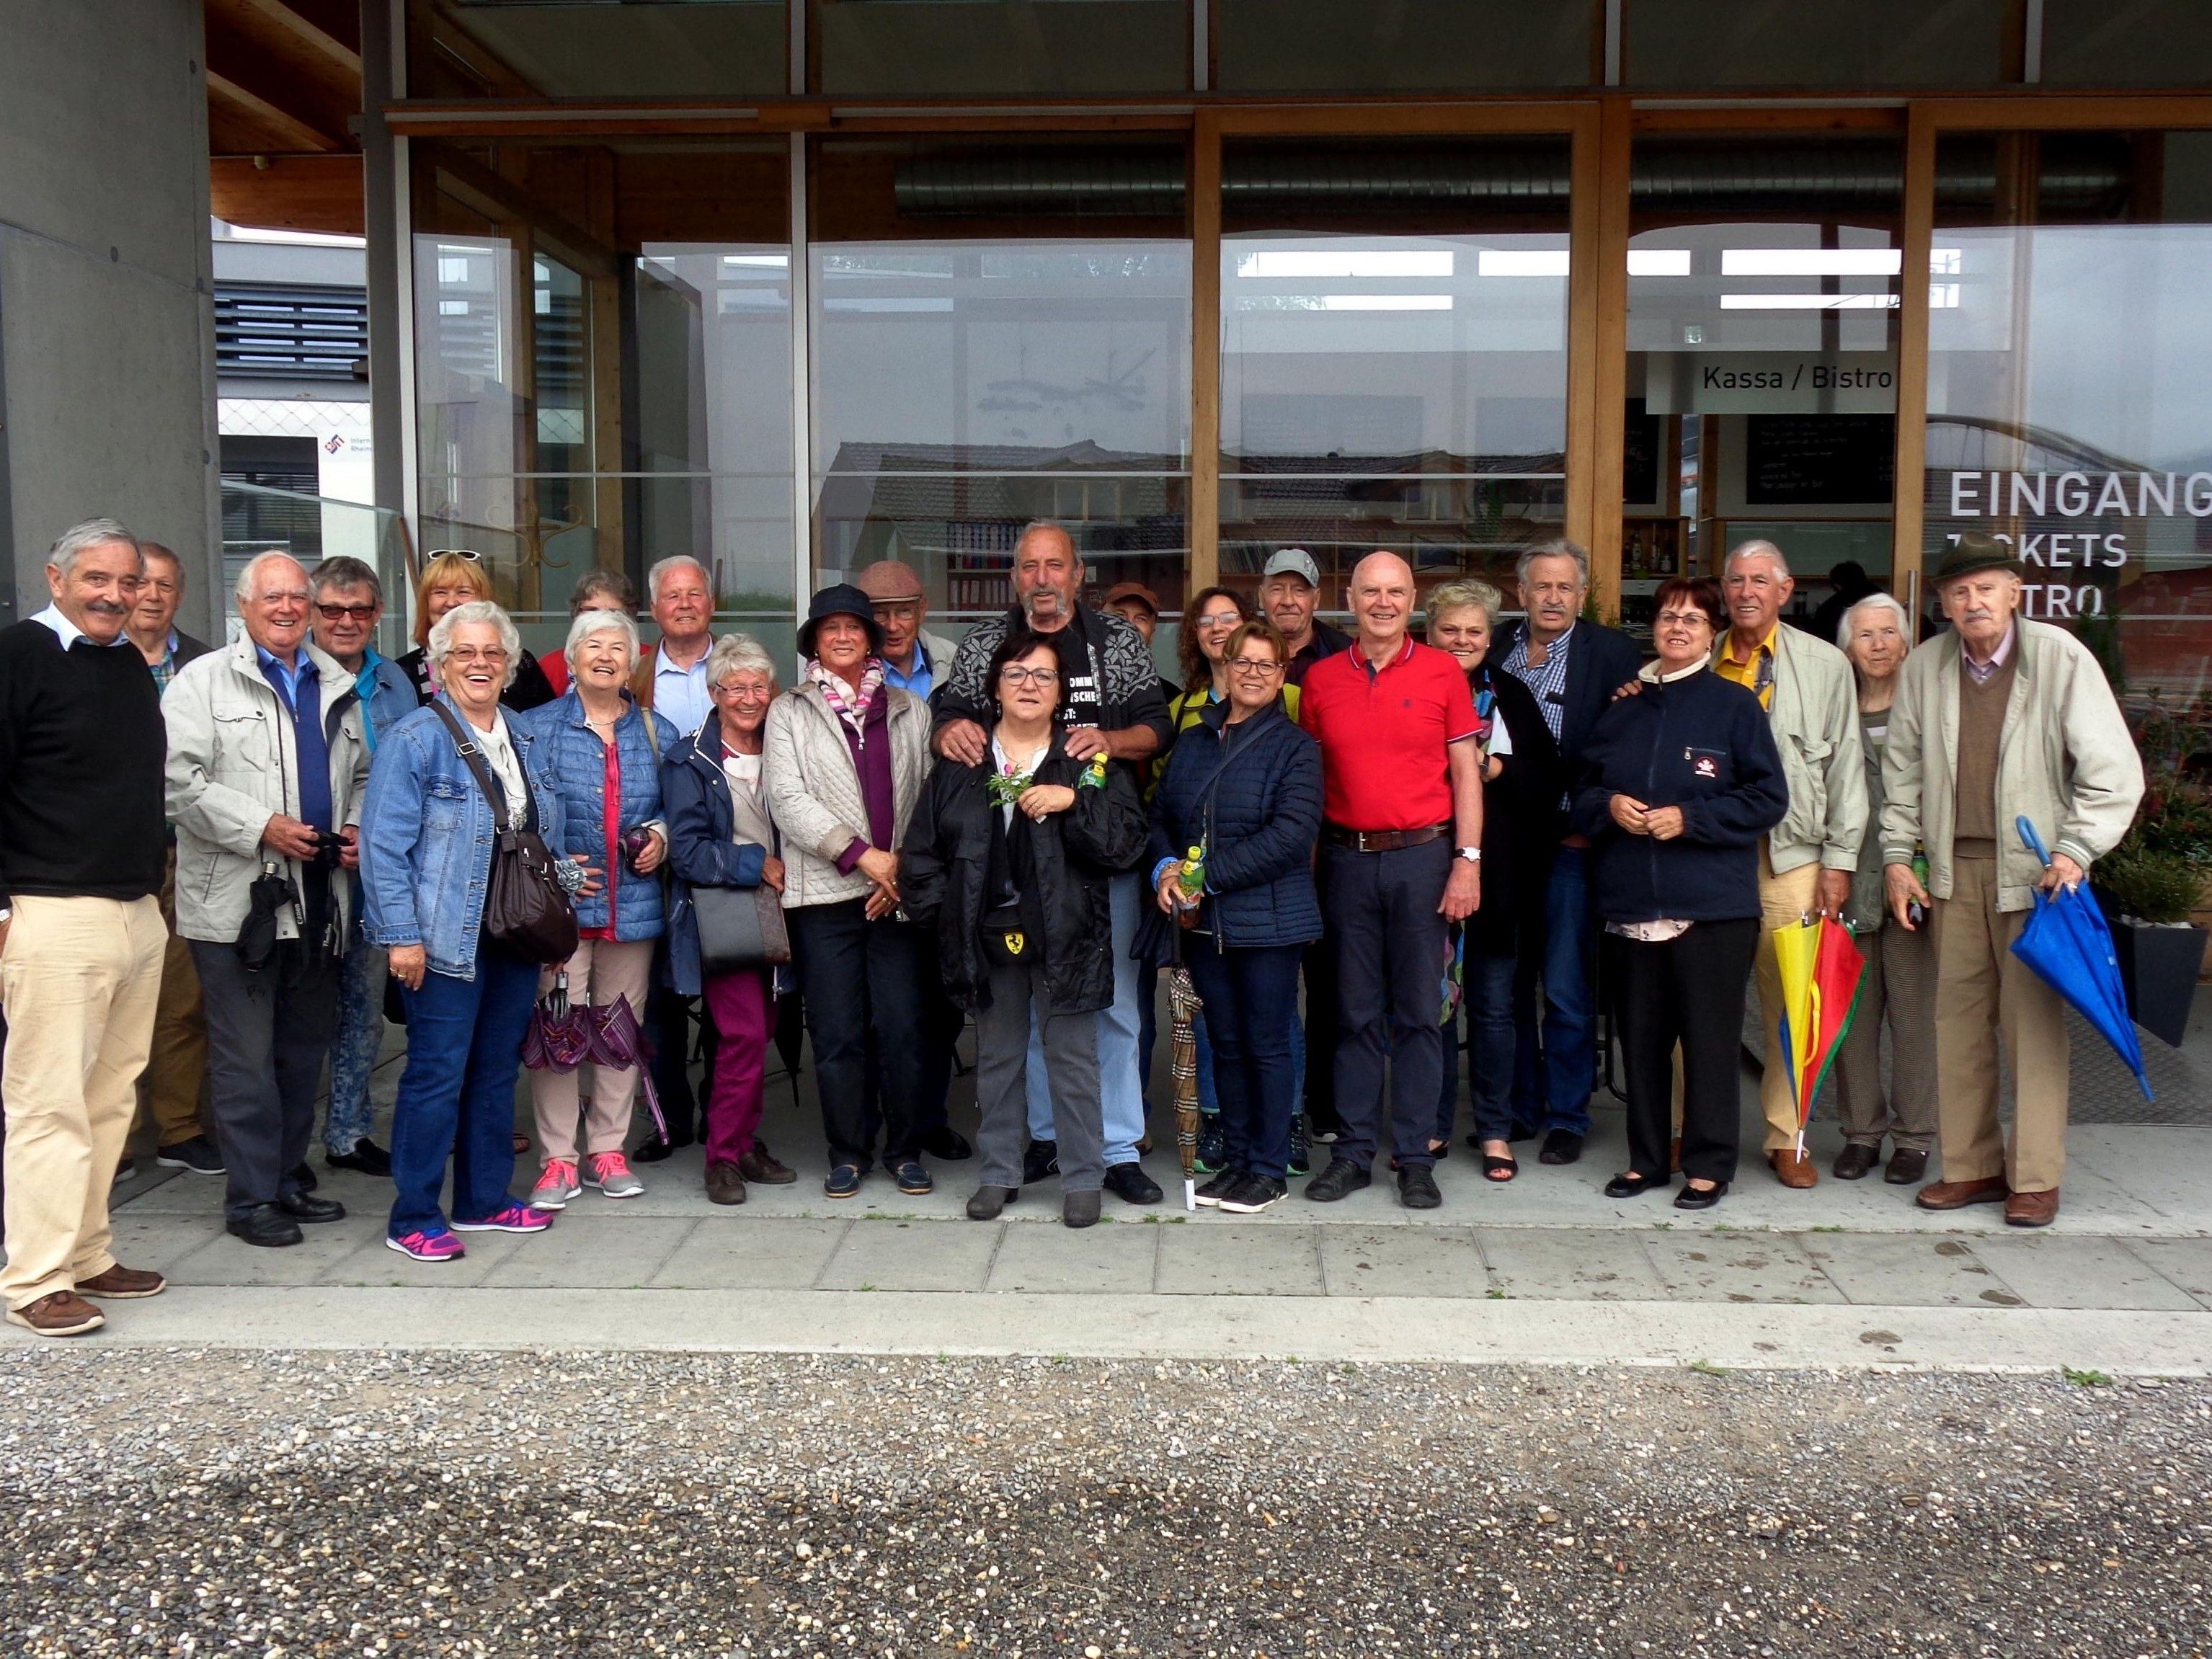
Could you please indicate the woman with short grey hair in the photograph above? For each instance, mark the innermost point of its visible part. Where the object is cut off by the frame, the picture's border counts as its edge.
(1898, 988)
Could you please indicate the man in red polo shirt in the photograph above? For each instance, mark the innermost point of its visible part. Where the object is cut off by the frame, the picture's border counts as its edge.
(1402, 850)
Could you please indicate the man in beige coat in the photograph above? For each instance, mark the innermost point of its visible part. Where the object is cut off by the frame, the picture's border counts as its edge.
(2002, 717)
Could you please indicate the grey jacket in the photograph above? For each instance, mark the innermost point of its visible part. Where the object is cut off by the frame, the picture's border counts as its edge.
(1815, 717)
(233, 764)
(813, 789)
(2065, 761)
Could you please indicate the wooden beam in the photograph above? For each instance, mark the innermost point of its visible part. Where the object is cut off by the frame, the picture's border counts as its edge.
(1597, 369)
(309, 36)
(486, 193)
(247, 51)
(1908, 528)
(1205, 197)
(292, 134)
(288, 193)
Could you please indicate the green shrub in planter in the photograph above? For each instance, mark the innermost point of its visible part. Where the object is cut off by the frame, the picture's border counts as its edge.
(2152, 887)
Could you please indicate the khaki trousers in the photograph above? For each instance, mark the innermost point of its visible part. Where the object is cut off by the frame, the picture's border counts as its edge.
(600, 971)
(1784, 900)
(1983, 990)
(177, 1066)
(79, 978)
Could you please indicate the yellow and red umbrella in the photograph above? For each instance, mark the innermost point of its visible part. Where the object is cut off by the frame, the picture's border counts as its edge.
(1821, 969)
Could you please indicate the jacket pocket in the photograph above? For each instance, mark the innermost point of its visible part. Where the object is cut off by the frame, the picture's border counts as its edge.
(241, 746)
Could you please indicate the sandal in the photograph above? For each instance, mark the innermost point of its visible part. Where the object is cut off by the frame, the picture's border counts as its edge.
(1440, 1150)
(1499, 1169)
(521, 1145)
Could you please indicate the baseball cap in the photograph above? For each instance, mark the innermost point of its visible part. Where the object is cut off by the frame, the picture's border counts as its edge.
(1137, 591)
(1293, 561)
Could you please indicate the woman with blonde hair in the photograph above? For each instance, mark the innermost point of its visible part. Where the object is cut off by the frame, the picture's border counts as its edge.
(455, 576)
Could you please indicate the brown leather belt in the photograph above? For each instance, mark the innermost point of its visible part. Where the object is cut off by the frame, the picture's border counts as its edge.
(1382, 840)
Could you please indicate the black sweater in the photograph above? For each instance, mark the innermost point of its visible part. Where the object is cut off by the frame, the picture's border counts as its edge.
(82, 749)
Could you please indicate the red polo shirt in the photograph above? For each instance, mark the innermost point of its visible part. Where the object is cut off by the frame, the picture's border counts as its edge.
(1383, 735)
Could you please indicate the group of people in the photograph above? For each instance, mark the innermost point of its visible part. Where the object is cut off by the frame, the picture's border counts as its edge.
(215, 860)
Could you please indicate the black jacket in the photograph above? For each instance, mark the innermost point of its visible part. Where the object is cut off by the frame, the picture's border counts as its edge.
(1521, 819)
(943, 868)
(1600, 660)
(1702, 743)
(1256, 808)
(1327, 641)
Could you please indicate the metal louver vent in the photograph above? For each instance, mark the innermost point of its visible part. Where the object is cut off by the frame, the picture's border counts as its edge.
(291, 332)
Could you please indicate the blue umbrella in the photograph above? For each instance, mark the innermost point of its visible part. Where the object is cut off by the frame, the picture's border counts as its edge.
(2069, 947)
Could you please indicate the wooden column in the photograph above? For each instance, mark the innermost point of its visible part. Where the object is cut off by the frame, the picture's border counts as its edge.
(1598, 360)
(1204, 198)
(1907, 520)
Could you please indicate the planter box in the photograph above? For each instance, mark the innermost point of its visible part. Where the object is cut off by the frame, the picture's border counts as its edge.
(2159, 968)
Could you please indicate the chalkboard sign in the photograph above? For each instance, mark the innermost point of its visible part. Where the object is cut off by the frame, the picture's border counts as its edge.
(1639, 457)
(1812, 460)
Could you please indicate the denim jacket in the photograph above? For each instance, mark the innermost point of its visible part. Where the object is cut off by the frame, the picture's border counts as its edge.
(572, 754)
(426, 840)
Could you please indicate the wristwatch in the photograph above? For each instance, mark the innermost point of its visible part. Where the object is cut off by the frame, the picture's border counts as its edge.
(1472, 854)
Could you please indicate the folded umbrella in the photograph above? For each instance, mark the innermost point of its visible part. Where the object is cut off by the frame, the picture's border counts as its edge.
(2069, 947)
(559, 1035)
(1184, 1007)
(1821, 973)
(617, 1043)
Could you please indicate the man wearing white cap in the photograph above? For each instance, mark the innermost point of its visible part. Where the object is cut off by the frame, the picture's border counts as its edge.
(1290, 588)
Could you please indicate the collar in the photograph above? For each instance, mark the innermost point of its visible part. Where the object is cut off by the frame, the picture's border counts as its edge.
(1528, 640)
(1650, 673)
(1405, 652)
(1996, 657)
(665, 664)
(1728, 645)
(290, 671)
(69, 633)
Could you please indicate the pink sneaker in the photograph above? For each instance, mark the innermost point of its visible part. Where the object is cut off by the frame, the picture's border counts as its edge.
(431, 1244)
(510, 1217)
(610, 1173)
(557, 1186)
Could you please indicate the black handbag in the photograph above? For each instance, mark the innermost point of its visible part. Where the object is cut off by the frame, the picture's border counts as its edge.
(740, 927)
(525, 908)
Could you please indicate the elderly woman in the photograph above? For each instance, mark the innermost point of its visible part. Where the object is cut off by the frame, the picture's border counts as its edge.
(1244, 787)
(720, 835)
(1521, 780)
(1898, 989)
(603, 754)
(595, 590)
(426, 842)
(1008, 860)
(1679, 781)
(845, 757)
(456, 577)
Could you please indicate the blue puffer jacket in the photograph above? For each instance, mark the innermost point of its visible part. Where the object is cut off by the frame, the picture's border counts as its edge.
(426, 840)
(570, 751)
(703, 847)
(1258, 822)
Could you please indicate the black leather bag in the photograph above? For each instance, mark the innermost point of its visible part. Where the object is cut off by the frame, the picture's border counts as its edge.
(740, 927)
(525, 908)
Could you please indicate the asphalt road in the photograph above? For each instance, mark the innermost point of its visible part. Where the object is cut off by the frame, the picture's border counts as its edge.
(189, 1504)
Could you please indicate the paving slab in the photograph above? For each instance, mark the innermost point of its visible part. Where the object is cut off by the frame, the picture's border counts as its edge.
(373, 1265)
(602, 1252)
(2055, 1271)
(912, 1255)
(1238, 1258)
(1441, 1262)
(1090, 1260)
(1727, 1267)
(164, 1243)
(1907, 1270)
(223, 1259)
(2185, 1262)
(753, 1253)
(1583, 1265)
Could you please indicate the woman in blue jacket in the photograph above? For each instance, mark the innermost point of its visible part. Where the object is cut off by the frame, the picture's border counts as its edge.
(1679, 781)
(1244, 787)
(604, 752)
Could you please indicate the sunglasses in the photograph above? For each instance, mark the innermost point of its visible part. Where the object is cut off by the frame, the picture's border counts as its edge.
(468, 553)
(332, 613)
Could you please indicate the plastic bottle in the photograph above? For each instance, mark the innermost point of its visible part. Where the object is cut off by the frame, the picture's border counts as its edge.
(1190, 886)
(1915, 911)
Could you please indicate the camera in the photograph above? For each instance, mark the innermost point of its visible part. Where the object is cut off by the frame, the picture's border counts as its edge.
(329, 850)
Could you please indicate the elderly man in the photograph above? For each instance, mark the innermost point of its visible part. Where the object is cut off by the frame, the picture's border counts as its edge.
(914, 660)
(670, 677)
(268, 758)
(1401, 860)
(1572, 667)
(2001, 719)
(348, 599)
(81, 934)
(1806, 861)
(1111, 707)
(1290, 590)
(170, 1089)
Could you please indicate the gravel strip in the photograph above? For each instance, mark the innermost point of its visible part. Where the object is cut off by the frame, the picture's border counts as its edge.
(186, 1502)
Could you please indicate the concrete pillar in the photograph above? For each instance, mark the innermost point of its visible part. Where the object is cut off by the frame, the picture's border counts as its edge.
(106, 292)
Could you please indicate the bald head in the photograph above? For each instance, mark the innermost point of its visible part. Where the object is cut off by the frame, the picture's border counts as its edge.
(1380, 596)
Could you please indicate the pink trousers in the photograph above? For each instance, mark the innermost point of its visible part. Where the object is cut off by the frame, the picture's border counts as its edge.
(745, 1015)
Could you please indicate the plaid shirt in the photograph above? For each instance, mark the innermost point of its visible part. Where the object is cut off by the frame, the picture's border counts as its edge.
(166, 669)
(1548, 682)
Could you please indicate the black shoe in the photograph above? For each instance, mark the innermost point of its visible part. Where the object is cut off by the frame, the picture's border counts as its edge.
(304, 1178)
(986, 1202)
(306, 1207)
(197, 1154)
(1301, 1163)
(1212, 1145)
(843, 1181)
(1561, 1146)
(1217, 1188)
(1341, 1180)
(656, 1149)
(1694, 1198)
(1129, 1183)
(1252, 1193)
(1629, 1184)
(264, 1225)
(947, 1143)
(912, 1178)
(1853, 1163)
(367, 1158)
(1041, 1159)
(1417, 1187)
(1079, 1209)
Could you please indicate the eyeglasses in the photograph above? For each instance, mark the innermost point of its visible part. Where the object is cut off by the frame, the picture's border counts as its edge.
(1254, 668)
(745, 693)
(332, 613)
(1685, 618)
(470, 654)
(1014, 674)
(1220, 619)
(468, 553)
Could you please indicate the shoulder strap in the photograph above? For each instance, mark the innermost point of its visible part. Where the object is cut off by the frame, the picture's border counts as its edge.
(495, 791)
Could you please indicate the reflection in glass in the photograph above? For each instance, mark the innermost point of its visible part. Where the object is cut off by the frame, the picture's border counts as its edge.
(995, 48)
(468, 407)
(597, 48)
(1869, 43)
(2141, 43)
(1325, 46)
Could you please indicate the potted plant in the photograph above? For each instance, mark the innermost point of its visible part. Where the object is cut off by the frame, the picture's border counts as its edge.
(2150, 883)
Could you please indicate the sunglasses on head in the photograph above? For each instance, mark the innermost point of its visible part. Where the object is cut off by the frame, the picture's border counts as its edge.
(468, 553)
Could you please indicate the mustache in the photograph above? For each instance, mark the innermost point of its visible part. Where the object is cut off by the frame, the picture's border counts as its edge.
(109, 607)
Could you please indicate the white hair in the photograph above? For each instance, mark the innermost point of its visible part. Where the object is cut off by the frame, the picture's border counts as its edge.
(737, 654)
(1049, 526)
(662, 567)
(1558, 548)
(92, 533)
(1888, 602)
(242, 589)
(1757, 548)
(477, 611)
(588, 622)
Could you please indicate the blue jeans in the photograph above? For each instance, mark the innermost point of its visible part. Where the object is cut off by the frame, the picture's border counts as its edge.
(354, 1050)
(456, 1096)
(1485, 1020)
(1251, 998)
(1120, 1088)
(1552, 1078)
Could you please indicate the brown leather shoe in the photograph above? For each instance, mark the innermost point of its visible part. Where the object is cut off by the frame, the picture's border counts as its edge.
(59, 1313)
(1957, 1194)
(2032, 1209)
(758, 1163)
(122, 1283)
(726, 1183)
(1907, 1168)
(1793, 1168)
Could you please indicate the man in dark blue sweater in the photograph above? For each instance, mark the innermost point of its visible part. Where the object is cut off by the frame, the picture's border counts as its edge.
(81, 849)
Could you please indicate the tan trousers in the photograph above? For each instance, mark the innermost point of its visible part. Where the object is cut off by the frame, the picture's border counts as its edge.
(175, 1069)
(1899, 991)
(600, 971)
(79, 978)
(1984, 990)
(1784, 900)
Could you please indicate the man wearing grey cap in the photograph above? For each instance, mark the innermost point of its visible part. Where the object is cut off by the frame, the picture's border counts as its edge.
(914, 660)
(1290, 588)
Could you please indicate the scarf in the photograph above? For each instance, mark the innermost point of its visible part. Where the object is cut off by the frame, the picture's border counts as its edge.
(847, 705)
